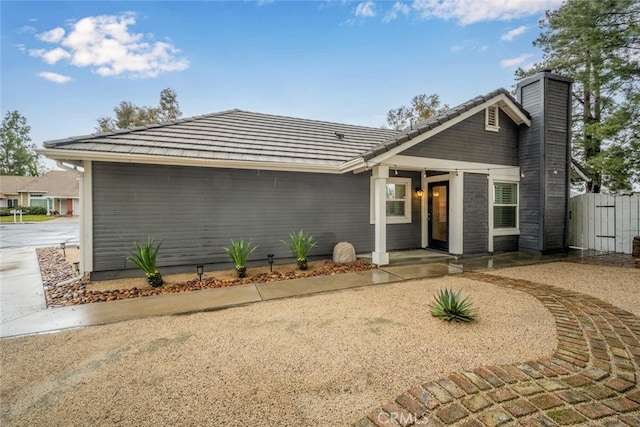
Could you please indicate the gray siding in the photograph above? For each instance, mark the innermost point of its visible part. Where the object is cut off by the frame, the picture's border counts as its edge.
(544, 161)
(557, 167)
(197, 211)
(505, 243)
(531, 151)
(476, 214)
(469, 141)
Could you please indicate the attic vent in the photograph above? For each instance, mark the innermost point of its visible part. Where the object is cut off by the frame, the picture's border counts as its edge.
(491, 119)
(339, 135)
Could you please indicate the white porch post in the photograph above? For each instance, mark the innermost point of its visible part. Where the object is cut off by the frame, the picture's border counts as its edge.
(86, 218)
(380, 256)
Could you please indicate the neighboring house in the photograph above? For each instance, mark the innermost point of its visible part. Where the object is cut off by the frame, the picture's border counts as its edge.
(57, 191)
(489, 175)
(10, 194)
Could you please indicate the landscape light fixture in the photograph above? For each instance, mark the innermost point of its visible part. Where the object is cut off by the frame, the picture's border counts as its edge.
(199, 271)
(62, 246)
(76, 267)
(270, 259)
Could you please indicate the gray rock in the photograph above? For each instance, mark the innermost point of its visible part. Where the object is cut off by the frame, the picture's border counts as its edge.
(343, 253)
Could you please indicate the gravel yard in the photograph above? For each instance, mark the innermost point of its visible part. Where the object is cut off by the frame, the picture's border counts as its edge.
(320, 360)
(620, 287)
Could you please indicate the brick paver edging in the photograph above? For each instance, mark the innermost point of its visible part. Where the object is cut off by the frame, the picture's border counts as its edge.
(591, 379)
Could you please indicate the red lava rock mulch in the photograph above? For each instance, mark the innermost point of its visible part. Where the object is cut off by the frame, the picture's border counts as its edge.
(55, 269)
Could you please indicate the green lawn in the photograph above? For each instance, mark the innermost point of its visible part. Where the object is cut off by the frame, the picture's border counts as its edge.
(27, 218)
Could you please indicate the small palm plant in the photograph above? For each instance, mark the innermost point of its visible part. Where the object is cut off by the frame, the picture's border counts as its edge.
(299, 245)
(145, 258)
(450, 306)
(239, 252)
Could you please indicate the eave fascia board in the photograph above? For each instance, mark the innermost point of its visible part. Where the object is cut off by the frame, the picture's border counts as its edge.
(512, 110)
(73, 155)
(502, 100)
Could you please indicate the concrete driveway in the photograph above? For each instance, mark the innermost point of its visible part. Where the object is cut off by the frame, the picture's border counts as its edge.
(48, 233)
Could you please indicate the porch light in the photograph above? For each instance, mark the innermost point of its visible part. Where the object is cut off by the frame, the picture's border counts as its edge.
(199, 271)
(419, 192)
(270, 260)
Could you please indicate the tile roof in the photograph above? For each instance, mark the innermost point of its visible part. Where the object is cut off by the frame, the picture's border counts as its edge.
(239, 135)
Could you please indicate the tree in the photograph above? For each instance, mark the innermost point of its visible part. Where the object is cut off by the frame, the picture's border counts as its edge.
(422, 107)
(129, 115)
(597, 43)
(17, 152)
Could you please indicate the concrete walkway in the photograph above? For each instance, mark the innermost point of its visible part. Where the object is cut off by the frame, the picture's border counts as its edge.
(24, 311)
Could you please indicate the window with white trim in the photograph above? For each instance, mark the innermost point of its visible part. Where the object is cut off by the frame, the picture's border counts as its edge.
(505, 205)
(491, 118)
(398, 200)
(12, 203)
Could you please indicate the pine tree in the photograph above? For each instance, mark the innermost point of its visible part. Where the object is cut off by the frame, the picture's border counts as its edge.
(597, 43)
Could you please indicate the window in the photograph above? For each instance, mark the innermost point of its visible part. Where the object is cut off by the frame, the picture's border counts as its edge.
(491, 118)
(505, 205)
(12, 203)
(398, 203)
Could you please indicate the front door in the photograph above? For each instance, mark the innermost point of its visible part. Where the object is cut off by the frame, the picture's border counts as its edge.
(438, 215)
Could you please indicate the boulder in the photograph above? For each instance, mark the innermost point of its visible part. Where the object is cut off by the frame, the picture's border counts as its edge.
(343, 253)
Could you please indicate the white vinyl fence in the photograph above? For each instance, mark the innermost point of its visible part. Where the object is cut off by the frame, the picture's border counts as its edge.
(604, 223)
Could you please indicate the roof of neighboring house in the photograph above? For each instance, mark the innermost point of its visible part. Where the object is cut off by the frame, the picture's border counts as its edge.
(578, 173)
(62, 184)
(242, 136)
(11, 185)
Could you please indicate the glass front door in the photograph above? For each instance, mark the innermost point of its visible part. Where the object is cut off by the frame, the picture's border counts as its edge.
(438, 215)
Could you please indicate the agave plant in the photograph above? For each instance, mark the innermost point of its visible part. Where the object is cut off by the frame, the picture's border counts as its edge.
(299, 245)
(450, 306)
(239, 252)
(145, 258)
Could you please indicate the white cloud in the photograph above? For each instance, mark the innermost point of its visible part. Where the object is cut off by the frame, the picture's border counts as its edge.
(512, 34)
(470, 11)
(51, 56)
(469, 45)
(515, 62)
(27, 29)
(365, 9)
(105, 44)
(52, 36)
(397, 9)
(54, 77)
(21, 47)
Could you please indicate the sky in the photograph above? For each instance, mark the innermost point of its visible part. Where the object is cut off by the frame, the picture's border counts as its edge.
(64, 64)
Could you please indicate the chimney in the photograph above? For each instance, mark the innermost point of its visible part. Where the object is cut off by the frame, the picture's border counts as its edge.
(545, 157)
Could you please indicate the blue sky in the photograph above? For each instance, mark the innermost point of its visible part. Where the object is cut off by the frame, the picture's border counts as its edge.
(64, 64)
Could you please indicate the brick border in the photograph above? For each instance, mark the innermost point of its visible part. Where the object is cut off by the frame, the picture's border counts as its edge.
(591, 378)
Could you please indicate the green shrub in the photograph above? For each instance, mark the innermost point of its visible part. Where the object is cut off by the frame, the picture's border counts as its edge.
(35, 210)
(240, 251)
(300, 244)
(26, 210)
(450, 306)
(145, 258)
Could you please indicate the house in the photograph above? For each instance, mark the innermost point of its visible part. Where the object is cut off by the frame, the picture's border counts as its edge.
(57, 191)
(489, 175)
(10, 194)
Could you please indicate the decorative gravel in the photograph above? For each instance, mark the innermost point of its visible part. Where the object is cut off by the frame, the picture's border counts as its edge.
(56, 270)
